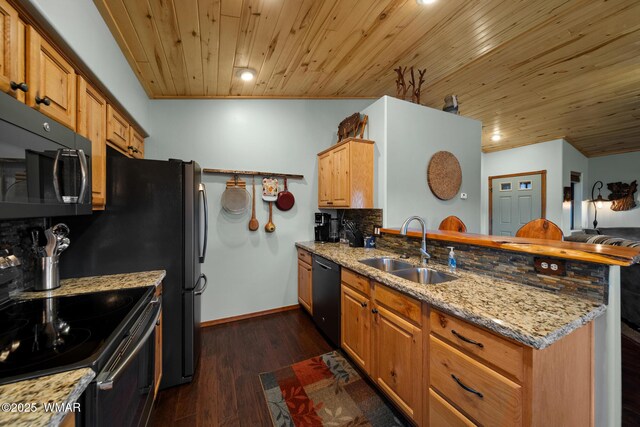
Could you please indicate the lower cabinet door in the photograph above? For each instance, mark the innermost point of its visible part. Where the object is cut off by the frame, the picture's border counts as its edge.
(398, 371)
(442, 414)
(304, 286)
(356, 327)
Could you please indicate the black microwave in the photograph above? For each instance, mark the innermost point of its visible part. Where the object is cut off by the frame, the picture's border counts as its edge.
(45, 167)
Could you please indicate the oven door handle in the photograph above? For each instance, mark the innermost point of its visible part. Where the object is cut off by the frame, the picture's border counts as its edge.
(112, 376)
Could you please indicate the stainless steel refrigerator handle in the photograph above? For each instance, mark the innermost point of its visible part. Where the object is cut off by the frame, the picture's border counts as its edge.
(56, 184)
(107, 383)
(323, 265)
(84, 171)
(203, 193)
(206, 281)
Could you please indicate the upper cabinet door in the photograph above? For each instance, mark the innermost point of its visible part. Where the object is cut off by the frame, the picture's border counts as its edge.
(118, 130)
(341, 180)
(92, 124)
(52, 81)
(324, 180)
(137, 144)
(9, 56)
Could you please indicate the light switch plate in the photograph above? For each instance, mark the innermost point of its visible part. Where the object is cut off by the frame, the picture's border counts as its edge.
(463, 196)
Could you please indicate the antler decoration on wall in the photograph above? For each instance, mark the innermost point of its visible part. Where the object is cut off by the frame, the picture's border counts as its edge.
(414, 87)
(622, 195)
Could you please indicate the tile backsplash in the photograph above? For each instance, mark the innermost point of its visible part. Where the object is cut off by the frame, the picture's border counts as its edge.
(583, 279)
(15, 239)
(365, 219)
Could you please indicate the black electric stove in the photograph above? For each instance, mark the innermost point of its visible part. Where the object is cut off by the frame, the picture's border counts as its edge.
(49, 335)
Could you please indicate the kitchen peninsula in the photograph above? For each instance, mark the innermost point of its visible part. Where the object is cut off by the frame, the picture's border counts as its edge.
(525, 341)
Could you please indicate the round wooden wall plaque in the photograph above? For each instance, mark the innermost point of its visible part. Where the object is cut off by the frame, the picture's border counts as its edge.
(444, 175)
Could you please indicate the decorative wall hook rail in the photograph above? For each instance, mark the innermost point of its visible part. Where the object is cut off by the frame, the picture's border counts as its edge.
(251, 173)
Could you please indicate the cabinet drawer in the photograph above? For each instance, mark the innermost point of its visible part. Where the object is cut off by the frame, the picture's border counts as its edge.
(499, 352)
(304, 256)
(406, 306)
(356, 281)
(481, 393)
(442, 414)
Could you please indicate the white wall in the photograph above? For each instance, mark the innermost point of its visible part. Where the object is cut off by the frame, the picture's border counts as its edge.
(377, 131)
(79, 23)
(411, 135)
(251, 271)
(574, 161)
(544, 156)
(615, 168)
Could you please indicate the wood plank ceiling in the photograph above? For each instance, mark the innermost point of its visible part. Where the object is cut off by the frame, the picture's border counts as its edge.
(531, 70)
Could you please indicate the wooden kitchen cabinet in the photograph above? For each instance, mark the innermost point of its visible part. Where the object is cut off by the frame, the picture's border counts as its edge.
(136, 149)
(397, 345)
(476, 376)
(157, 375)
(345, 175)
(381, 332)
(324, 179)
(118, 133)
(92, 124)
(305, 280)
(51, 80)
(356, 327)
(9, 49)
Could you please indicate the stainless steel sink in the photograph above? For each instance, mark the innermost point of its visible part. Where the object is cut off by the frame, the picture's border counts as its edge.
(424, 276)
(386, 263)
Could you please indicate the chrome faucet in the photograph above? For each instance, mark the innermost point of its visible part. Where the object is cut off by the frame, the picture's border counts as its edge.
(424, 255)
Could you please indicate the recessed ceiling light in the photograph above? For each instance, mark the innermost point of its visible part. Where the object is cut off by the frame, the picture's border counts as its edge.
(496, 137)
(425, 1)
(247, 74)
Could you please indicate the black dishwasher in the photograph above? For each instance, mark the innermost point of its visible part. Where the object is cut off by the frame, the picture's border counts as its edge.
(326, 298)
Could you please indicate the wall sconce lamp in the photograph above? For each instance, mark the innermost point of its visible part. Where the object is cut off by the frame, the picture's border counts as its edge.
(567, 195)
(597, 202)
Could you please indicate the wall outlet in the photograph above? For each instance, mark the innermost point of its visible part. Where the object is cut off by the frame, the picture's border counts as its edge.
(550, 266)
(463, 196)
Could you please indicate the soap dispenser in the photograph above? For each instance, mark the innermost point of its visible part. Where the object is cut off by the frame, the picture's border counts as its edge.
(452, 260)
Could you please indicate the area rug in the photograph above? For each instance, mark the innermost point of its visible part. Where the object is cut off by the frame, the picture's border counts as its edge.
(325, 391)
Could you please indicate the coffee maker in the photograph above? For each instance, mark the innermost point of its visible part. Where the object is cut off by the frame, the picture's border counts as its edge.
(322, 227)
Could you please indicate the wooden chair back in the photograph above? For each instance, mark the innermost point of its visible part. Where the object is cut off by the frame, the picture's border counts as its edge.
(453, 223)
(540, 229)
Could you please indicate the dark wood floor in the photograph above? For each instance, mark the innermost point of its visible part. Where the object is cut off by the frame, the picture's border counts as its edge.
(630, 383)
(227, 390)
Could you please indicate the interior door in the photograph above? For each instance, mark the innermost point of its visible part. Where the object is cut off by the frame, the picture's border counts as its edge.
(515, 200)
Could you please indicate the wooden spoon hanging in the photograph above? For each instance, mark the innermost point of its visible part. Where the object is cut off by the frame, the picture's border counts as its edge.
(253, 222)
(270, 227)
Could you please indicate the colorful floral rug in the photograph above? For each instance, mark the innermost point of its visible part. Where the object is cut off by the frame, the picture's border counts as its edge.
(325, 391)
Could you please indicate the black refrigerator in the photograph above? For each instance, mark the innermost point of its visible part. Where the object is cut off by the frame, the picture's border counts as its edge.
(155, 219)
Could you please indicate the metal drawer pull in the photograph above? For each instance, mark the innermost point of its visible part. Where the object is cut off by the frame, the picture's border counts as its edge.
(467, 388)
(363, 303)
(465, 339)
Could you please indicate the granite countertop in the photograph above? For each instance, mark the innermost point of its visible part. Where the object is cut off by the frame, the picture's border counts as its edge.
(529, 315)
(58, 389)
(65, 387)
(110, 282)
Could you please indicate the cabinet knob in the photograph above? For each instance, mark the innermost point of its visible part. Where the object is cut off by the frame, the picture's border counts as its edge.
(46, 101)
(374, 310)
(19, 86)
(363, 303)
